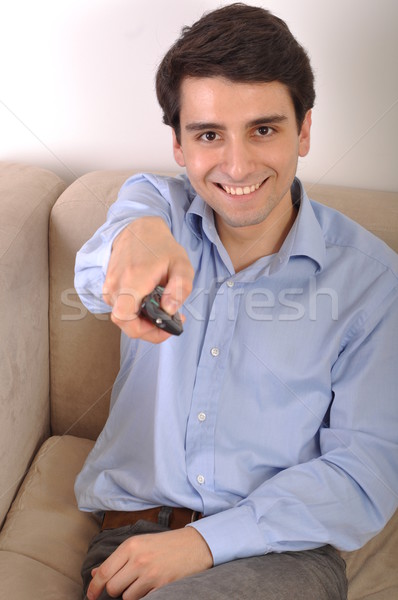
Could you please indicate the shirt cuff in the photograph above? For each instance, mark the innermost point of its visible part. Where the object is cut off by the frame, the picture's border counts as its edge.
(232, 534)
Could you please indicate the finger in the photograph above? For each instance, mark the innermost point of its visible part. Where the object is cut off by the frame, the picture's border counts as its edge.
(106, 295)
(140, 328)
(131, 284)
(139, 589)
(104, 573)
(178, 288)
(121, 581)
(126, 304)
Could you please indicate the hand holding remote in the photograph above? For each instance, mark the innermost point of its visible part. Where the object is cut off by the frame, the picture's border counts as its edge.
(144, 255)
(150, 309)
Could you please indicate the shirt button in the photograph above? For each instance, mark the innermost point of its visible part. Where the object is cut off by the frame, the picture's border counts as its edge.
(215, 351)
(230, 284)
(200, 479)
(202, 416)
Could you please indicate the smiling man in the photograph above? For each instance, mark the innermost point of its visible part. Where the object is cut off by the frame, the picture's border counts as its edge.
(240, 456)
(240, 144)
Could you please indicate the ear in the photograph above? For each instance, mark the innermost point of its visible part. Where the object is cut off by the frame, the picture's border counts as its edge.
(305, 135)
(177, 151)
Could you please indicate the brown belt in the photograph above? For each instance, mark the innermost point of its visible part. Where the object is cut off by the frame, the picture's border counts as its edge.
(174, 518)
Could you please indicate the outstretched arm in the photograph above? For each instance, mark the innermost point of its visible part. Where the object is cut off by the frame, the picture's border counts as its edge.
(134, 251)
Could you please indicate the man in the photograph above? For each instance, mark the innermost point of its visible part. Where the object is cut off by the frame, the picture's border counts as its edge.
(239, 455)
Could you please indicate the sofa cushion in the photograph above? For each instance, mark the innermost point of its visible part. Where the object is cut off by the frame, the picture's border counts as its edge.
(372, 571)
(23, 577)
(44, 527)
(46, 537)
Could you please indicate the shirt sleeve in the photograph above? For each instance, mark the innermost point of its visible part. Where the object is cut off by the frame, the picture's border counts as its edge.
(140, 196)
(346, 495)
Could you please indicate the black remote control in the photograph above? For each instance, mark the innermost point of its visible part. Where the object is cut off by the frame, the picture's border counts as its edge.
(150, 309)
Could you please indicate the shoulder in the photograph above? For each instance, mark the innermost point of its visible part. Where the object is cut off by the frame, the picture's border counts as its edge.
(353, 242)
(169, 187)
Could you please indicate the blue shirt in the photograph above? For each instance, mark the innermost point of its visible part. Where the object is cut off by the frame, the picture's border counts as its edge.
(275, 413)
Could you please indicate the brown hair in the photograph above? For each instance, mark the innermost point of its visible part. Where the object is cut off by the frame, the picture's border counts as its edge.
(243, 44)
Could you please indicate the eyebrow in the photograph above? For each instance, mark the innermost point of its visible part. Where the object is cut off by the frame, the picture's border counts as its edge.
(210, 125)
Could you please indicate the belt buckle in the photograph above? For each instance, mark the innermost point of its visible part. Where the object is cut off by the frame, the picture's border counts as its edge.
(194, 516)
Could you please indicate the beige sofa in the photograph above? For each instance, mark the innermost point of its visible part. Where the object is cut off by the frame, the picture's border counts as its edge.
(56, 371)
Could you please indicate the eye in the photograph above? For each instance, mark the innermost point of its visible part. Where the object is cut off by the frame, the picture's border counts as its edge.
(264, 131)
(209, 136)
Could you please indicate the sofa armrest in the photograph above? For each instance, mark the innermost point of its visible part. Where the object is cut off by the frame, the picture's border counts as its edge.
(26, 197)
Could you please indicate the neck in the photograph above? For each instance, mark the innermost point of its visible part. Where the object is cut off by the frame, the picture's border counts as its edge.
(245, 245)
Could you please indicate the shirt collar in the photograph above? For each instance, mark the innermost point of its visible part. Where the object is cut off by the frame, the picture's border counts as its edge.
(305, 239)
(197, 215)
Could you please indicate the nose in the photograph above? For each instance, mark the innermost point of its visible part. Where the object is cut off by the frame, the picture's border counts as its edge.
(238, 160)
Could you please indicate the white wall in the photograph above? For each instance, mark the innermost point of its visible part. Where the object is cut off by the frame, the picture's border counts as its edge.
(77, 84)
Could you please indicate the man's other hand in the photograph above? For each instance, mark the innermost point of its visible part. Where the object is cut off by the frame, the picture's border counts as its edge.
(144, 563)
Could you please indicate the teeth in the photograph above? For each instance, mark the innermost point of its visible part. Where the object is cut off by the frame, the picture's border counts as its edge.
(241, 191)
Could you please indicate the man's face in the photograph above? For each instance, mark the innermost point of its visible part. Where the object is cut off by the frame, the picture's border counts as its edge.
(240, 146)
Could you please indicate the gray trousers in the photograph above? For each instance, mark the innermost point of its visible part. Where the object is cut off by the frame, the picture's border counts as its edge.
(307, 575)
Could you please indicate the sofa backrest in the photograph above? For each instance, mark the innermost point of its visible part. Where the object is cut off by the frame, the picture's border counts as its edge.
(84, 349)
(376, 211)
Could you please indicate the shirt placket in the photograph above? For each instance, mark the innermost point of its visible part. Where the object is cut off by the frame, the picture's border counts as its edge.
(212, 368)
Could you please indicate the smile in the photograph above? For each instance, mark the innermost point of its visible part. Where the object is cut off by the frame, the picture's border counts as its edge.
(240, 191)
